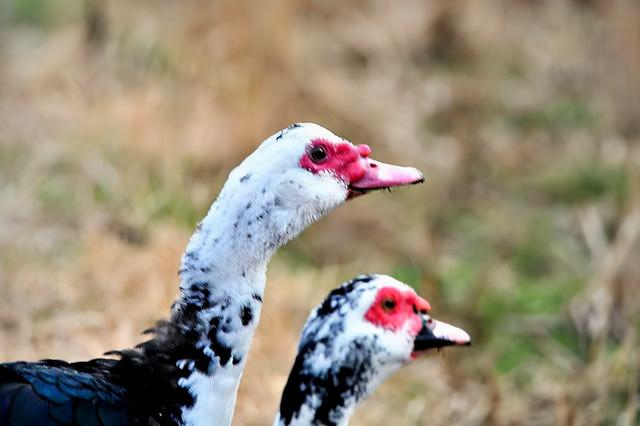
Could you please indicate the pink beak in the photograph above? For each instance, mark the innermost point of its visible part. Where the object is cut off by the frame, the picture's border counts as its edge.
(380, 175)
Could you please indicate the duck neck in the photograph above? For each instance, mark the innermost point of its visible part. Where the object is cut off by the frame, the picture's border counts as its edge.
(321, 391)
(222, 276)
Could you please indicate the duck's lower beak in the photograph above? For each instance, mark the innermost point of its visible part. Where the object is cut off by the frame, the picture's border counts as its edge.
(437, 334)
(380, 175)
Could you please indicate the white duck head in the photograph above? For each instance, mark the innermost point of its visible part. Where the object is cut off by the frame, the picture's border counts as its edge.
(291, 180)
(360, 334)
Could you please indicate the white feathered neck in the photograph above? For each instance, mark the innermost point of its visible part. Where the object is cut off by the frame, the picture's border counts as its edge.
(266, 201)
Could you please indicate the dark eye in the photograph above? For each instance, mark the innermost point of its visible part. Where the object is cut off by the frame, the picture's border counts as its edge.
(317, 154)
(388, 304)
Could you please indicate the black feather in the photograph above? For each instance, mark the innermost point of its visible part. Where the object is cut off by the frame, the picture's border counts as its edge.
(54, 393)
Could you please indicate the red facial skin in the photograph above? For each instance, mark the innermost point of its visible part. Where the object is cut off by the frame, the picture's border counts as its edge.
(408, 308)
(343, 160)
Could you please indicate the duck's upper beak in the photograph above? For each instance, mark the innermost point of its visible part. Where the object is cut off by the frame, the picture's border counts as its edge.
(437, 334)
(379, 175)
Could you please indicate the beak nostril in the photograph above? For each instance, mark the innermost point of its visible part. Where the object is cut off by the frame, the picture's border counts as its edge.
(373, 165)
(420, 309)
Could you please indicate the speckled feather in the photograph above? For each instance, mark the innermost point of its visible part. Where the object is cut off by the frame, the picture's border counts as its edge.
(343, 356)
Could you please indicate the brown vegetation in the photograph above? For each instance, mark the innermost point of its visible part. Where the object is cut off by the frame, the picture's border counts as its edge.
(119, 121)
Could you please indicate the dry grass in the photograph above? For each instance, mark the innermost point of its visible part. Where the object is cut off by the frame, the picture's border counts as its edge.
(119, 123)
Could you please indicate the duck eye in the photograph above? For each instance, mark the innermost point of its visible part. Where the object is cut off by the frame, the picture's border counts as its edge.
(317, 154)
(388, 304)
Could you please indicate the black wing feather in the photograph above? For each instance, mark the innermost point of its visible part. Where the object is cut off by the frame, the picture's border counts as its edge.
(56, 393)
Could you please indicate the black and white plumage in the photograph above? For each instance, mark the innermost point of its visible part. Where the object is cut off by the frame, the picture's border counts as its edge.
(188, 372)
(360, 334)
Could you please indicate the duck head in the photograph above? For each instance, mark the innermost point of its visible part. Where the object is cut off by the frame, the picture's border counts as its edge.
(311, 170)
(359, 335)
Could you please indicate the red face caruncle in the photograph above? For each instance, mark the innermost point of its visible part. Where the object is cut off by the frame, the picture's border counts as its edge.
(342, 159)
(392, 308)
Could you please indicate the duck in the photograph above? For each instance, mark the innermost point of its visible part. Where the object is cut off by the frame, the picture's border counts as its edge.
(189, 369)
(359, 335)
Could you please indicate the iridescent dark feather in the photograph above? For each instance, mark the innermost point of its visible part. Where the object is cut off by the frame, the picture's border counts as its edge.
(54, 392)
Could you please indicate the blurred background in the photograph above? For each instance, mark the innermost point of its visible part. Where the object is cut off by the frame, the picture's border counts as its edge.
(119, 122)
